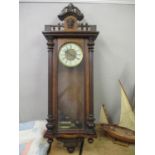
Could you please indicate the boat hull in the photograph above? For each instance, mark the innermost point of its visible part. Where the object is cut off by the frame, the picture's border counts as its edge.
(119, 133)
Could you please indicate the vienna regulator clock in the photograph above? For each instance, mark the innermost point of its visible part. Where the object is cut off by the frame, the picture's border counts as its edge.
(70, 79)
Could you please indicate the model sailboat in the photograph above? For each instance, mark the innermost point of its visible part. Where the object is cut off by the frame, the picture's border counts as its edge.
(124, 130)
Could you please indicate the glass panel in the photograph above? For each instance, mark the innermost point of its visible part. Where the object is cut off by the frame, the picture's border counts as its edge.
(70, 97)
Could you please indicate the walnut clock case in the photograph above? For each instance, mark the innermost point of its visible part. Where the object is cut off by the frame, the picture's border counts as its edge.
(70, 79)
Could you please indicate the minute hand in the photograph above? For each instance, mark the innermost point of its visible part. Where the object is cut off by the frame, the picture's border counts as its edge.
(72, 54)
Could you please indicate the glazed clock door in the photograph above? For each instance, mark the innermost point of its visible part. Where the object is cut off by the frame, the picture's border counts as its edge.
(70, 84)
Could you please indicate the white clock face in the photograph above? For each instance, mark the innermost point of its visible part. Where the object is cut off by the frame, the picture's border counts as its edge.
(70, 54)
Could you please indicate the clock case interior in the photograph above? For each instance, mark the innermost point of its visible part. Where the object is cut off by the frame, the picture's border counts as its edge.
(70, 90)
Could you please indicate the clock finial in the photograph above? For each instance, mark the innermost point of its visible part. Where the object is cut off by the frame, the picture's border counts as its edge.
(71, 10)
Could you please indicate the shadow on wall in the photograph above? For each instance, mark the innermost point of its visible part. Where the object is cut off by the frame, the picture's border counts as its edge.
(128, 84)
(109, 67)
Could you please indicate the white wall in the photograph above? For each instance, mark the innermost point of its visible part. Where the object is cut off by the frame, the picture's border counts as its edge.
(114, 55)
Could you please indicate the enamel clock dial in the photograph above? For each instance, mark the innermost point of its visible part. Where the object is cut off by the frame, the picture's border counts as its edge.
(70, 54)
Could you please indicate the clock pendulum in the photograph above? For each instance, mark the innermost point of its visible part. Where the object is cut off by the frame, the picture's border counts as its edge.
(70, 79)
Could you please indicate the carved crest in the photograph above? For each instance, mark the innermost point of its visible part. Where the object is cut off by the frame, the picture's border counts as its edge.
(71, 18)
(70, 22)
(71, 10)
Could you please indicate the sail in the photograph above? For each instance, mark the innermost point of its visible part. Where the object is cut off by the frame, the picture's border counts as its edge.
(103, 115)
(127, 117)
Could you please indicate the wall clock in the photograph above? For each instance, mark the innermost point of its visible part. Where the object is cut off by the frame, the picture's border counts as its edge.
(70, 79)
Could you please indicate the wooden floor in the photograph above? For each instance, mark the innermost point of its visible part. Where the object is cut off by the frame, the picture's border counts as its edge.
(101, 146)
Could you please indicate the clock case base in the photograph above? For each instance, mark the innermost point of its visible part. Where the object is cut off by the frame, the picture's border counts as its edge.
(70, 140)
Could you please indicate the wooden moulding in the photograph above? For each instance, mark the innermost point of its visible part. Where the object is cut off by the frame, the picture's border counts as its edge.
(71, 34)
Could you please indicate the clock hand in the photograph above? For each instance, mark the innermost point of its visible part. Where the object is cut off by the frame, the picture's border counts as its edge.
(72, 54)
